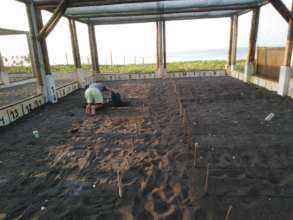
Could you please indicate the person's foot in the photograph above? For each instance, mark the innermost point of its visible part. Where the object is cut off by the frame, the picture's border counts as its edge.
(88, 109)
(93, 110)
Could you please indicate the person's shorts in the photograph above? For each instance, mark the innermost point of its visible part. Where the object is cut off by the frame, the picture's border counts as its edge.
(93, 96)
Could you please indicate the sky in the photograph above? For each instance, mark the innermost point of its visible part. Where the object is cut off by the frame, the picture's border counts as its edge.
(135, 41)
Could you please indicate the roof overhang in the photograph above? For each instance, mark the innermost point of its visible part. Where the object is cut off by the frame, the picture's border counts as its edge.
(135, 11)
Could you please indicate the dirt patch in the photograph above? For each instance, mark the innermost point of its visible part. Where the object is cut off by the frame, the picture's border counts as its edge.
(71, 172)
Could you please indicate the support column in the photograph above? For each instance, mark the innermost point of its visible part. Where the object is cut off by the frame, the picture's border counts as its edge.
(80, 75)
(164, 48)
(234, 40)
(286, 70)
(161, 49)
(3, 75)
(45, 81)
(33, 64)
(94, 50)
(229, 62)
(250, 63)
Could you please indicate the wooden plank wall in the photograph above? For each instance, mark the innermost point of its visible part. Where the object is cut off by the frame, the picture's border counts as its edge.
(269, 60)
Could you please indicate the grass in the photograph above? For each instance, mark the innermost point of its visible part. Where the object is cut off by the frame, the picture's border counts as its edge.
(187, 66)
(240, 65)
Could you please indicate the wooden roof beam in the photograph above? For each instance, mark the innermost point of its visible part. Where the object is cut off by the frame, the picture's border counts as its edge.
(52, 4)
(58, 13)
(4, 31)
(282, 9)
(163, 12)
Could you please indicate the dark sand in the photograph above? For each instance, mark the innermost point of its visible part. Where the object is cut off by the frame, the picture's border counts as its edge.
(71, 171)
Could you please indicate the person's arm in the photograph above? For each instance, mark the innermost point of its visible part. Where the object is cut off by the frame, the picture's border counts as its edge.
(109, 89)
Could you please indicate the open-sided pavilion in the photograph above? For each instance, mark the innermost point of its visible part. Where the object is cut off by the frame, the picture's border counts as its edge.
(99, 12)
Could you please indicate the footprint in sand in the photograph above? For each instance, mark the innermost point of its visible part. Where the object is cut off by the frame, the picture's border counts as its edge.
(163, 206)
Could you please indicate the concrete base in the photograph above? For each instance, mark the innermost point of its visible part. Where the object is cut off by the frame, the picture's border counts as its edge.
(162, 72)
(232, 67)
(51, 89)
(4, 78)
(80, 74)
(229, 68)
(248, 71)
(284, 78)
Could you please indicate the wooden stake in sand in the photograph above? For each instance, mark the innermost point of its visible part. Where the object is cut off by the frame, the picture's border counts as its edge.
(175, 87)
(136, 129)
(132, 141)
(228, 212)
(180, 108)
(206, 185)
(119, 181)
(195, 156)
(126, 163)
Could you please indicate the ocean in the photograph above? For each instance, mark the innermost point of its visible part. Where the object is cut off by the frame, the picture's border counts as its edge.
(172, 56)
(210, 54)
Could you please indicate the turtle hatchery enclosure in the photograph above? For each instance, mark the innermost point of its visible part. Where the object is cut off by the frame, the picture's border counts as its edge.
(193, 148)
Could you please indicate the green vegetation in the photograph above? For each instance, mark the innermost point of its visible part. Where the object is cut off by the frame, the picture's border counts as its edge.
(187, 66)
(240, 65)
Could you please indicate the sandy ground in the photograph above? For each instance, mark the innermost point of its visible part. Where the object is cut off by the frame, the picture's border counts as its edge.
(183, 149)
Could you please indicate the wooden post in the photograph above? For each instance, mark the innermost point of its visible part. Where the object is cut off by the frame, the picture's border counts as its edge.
(1, 64)
(74, 43)
(286, 70)
(158, 44)
(234, 41)
(111, 58)
(161, 48)
(164, 45)
(249, 67)
(94, 51)
(253, 35)
(80, 75)
(35, 51)
(229, 63)
(33, 62)
(45, 81)
(43, 43)
(289, 43)
(3, 76)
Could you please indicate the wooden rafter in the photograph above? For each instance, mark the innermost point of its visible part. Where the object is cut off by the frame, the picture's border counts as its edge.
(58, 13)
(5, 31)
(282, 9)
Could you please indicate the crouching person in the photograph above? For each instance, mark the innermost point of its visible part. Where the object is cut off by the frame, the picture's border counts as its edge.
(94, 100)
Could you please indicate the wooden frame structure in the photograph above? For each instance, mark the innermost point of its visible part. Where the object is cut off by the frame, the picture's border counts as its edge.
(99, 12)
(7, 32)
